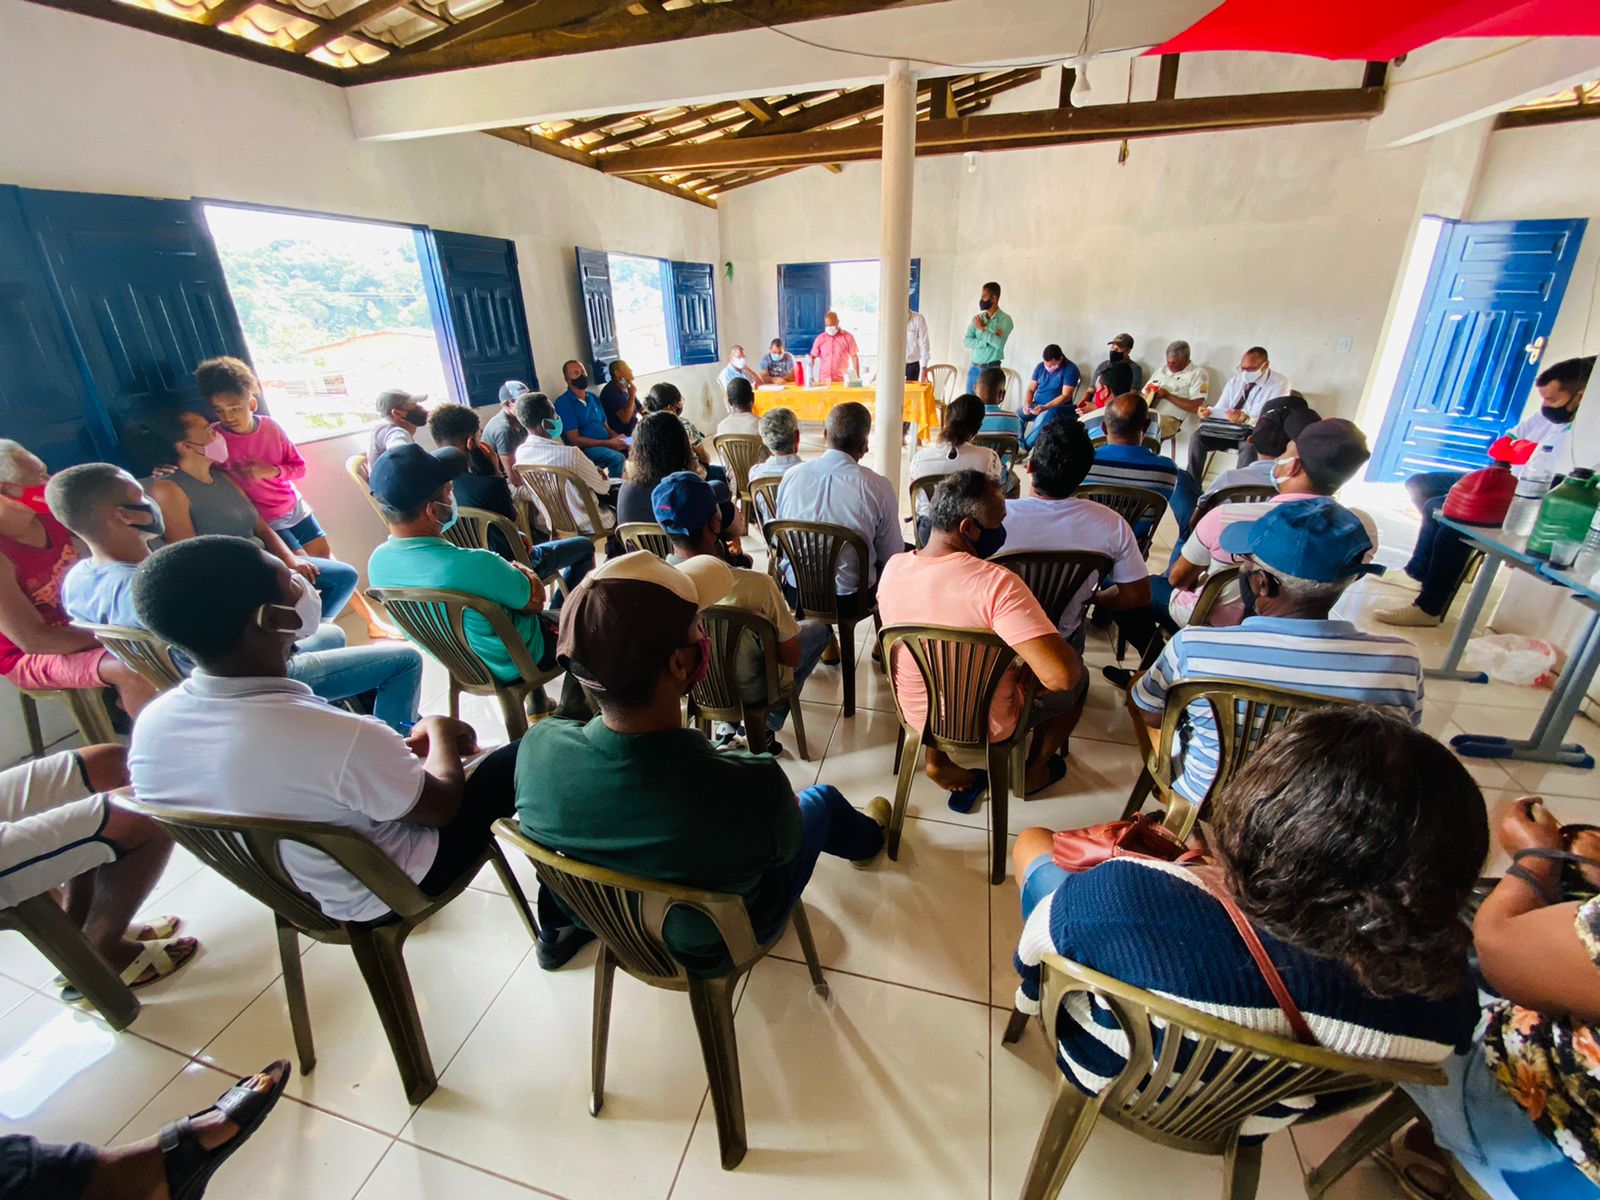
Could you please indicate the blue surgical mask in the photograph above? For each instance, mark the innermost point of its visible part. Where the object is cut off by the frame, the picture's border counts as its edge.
(444, 526)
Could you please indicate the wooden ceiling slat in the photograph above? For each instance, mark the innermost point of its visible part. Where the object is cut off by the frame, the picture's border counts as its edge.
(347, 23)
(225, 12)
(522, 136)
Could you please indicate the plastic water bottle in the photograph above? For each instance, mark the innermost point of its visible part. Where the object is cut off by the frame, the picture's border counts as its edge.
(1531, 489)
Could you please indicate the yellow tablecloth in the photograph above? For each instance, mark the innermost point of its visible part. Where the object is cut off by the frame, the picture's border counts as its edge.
(813, 404)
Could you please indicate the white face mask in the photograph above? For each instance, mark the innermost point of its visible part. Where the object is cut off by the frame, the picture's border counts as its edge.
(830, 330)
(1287, 463)
(307, 611)
(1255, 376)
(738, 361)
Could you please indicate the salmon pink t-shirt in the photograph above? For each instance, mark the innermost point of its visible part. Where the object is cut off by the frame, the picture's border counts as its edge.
(964, 591)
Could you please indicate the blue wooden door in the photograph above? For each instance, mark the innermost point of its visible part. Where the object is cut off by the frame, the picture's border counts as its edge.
(599, 311)
(802, 300)
(1488, 306)
(488, 327)
(143, 294)
(43, 401)
(693, 313)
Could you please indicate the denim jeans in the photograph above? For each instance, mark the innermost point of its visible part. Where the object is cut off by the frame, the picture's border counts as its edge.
(390, 669)
(829, 825)
(607, 459)
(1489, 1134)
(336, 583)
(814, 639)
(1185, 495)
(1139, 625)
(573, 557)
(1441, 552)
(1033, 426)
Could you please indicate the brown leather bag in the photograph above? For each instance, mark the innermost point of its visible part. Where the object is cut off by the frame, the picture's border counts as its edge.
(1143, 837)
(1269, 972)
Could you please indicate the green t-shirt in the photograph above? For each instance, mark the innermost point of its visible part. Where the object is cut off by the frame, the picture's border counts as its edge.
(429, 562)
(669, 807)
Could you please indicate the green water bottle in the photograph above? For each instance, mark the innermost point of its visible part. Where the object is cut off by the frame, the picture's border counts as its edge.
(1566, 512)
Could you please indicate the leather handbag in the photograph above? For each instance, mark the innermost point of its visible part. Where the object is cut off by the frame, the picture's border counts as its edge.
(1143, 837)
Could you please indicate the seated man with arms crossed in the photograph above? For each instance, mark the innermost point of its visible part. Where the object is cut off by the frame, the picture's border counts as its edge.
(634, 791)
(1051, 519)
(948, 582)
(222, 738)
(106, 507)
(61, 825)
(1296, 561)
(689, 509)
(413, 490)
(1125, 462)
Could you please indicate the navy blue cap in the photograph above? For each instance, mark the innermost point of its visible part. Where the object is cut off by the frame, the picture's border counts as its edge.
(1320, 540)
(405, 477)
(684, 502)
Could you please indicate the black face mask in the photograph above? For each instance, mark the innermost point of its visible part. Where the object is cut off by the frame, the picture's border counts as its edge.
(1117, 355)
(579, 383)
(417, 417)
(157, 526)
(989, 541)
(1557, 416)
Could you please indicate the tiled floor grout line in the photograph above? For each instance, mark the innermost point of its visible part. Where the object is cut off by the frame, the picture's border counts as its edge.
(461, 1162)
(123, 1128)
(910, 987)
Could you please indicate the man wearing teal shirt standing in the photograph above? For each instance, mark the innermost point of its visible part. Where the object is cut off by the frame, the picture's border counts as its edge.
(986, 336)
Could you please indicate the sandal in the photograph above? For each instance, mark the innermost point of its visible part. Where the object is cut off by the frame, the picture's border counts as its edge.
(152, 955)
(156, 930)
(964, 801)
(1418, 1175)
(188, 1165)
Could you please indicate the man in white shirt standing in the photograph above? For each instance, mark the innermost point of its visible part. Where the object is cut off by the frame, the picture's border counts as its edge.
(1243, 397)
(837, 489)
(919, 351)
(738, 367)
(238, 733)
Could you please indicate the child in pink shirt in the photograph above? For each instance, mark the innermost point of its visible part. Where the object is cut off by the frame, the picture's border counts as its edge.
(264, 463)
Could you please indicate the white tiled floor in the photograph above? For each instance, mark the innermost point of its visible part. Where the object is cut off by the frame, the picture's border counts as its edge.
(899, 1086)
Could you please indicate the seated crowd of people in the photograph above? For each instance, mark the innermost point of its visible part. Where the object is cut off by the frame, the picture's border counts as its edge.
(1350, 843)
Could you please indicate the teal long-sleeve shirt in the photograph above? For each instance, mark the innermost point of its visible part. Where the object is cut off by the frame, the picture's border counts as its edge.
(988, 345)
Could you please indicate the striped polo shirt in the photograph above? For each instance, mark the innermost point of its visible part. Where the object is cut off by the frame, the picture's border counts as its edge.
(1330, 658)
(1133, 466)
(1154, 926)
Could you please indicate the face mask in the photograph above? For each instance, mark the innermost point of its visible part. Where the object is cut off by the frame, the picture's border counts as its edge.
(830, 330)
(1251, 376)
(738, 361)
(1277, 479)
(417, 417)
(985, 304)
(553, 426)
(157, 526)
(307, 609)
(33, 497)
(1556, 416)
(1117, 355)
(216, 450)
(701, 668)
(445, 526)
(579, 383)
(989, 541)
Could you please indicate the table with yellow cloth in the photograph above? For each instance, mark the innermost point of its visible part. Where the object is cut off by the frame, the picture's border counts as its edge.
(814, 403)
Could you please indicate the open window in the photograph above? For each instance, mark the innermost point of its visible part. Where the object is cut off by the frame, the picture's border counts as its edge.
(652, 312)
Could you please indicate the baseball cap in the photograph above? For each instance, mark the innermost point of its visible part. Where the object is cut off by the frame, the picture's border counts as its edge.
(392, 398)
(1319, 539)
(1275, 430)
(408, 475)
(1123, 341)
(1331, 451)
(628, 615)
(683, 502)
(511, 389)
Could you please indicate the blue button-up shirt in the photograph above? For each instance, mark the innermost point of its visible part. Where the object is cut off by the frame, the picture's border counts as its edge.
(840, 491)
(586, 418)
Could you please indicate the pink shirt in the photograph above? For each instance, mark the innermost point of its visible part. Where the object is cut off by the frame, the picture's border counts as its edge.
(833, 355)
(964, 591)
(266, 443)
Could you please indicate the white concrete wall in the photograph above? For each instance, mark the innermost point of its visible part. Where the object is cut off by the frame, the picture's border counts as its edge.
(91, 106)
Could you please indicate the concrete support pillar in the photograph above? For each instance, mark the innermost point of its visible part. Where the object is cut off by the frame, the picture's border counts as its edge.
(894, 258)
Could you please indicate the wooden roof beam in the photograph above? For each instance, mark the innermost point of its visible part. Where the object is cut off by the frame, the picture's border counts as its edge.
(759, 109)
(225, 12)
(346, 23)
(522, 136)
(1010, 131)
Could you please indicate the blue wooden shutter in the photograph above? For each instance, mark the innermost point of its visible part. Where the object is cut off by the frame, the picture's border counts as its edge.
(488, 325)
(594, 290)
(143, 296)
(44, 403)
(916, 284)
(694, 304)
(802, 300)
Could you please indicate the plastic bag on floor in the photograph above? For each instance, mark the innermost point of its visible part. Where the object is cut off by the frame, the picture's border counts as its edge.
(1511, 658)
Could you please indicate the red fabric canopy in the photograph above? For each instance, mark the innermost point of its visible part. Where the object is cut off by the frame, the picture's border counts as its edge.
(1377, 30)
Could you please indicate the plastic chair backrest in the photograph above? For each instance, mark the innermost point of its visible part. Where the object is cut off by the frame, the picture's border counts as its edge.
(1056, 576)
(247, 852)
(1005, 445)
(942, 377)
(1150, 442)
(1231, 1073)
(813, 549)
(961, 670)
(645, 535)
(433, 619)
(1212, 592)
(739, 452)
(140, 651)
(1239, 493)
(1014, 389)
(764, 496)
(628, 912)
(471, 532)
(356, 467)
(1135, 505)
(554, 488)
(720, 694)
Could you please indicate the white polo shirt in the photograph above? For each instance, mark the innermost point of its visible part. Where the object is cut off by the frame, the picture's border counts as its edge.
(1040, 524)
(267, 747)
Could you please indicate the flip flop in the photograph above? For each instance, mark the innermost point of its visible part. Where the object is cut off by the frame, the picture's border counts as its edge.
(151, 954)
(188, 1165)
(1057, 766)
(156, 930)
(964, 801)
